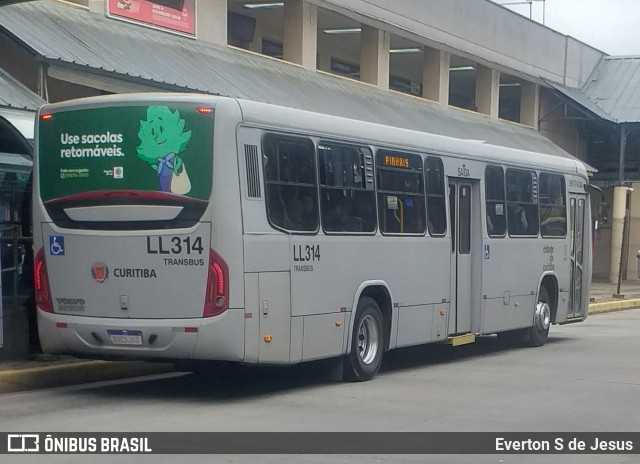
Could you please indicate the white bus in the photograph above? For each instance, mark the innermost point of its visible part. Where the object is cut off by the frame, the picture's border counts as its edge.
(191, 227)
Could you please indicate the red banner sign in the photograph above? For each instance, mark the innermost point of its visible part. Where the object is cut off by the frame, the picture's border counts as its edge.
(171, 15)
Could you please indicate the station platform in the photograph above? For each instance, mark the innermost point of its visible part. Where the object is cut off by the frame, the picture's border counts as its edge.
(604, 296)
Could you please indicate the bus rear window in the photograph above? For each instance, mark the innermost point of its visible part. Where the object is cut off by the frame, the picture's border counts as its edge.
(166, 150)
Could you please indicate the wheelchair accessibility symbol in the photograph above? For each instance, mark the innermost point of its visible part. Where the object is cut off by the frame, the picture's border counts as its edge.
(56, 245)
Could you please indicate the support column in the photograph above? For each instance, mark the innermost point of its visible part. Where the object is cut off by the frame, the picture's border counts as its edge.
(633, 230)
(97, 6)
(623, 149)
(43, 91)
(487, 90)
(374, 56)
(211, 21)
(435, 75)
(300, 33)
(618, 213)
(530, 105)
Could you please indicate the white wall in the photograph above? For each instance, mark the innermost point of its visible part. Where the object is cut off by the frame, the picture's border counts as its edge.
(480, 30)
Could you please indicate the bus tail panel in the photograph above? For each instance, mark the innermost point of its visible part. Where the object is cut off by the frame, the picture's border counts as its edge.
(128, 275)
(218, 338)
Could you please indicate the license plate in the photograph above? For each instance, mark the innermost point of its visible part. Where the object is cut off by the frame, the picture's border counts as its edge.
(125, 337)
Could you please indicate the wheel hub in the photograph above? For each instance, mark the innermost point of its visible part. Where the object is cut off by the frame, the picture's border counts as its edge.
(542, 317)
(368, 340)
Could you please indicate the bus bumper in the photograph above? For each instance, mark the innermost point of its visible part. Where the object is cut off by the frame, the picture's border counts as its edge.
(216, 338)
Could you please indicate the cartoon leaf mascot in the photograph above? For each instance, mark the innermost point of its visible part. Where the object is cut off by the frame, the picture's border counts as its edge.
(162, 139)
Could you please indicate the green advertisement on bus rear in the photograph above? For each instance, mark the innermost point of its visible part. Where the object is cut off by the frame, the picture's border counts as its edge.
(141, 148)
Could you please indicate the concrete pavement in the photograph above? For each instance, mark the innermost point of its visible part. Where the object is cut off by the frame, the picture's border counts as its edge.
(47, 371)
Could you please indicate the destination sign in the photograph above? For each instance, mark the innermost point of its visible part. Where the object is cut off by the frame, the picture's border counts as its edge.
(396, 161)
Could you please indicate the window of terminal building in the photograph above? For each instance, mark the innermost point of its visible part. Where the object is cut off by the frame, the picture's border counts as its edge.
(240, 29)
(462, 83)
(401, 84)
(272, 48)
(510, 98)
(347, 196)
(290, 183)
(401, 200)
(345, 68)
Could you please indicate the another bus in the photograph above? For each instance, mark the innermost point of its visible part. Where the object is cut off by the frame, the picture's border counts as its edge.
(192, 227)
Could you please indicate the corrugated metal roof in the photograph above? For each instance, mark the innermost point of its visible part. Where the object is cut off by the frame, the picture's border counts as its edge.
(577, 96)
(73, 37)
(614, 87)
(612, 92)
(16, 96)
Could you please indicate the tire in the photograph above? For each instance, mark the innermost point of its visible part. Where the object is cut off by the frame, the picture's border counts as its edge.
(367, 342)
(539, 332)
(513, 338)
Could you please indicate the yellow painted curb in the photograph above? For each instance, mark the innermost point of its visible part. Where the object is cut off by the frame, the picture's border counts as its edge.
(62, 374)
(610, 306)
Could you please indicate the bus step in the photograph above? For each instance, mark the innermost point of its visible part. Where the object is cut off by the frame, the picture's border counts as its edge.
(461, 339)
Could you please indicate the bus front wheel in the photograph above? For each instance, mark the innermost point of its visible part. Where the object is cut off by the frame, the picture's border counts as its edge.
(541, 319)
(365, 358)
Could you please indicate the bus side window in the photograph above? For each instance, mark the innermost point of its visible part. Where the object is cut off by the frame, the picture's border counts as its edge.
(494, 193)
(401, 196)
(290, 178)
(553, 207)
(436, 200)
(522, 203)
(346, 190)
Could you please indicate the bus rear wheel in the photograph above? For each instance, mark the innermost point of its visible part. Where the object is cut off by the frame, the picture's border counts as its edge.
(365, 358)
(539, 332)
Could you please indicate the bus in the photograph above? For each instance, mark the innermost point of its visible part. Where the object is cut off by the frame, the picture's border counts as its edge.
(194, 227)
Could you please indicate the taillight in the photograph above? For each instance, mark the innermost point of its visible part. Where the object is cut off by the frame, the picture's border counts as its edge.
(43, 295)
(217, 298)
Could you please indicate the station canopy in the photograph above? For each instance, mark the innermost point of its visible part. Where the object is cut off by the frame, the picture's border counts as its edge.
(611, 92)
(81, 45)
(18, 104)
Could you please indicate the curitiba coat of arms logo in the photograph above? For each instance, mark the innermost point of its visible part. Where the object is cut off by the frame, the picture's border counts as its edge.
(100, 272)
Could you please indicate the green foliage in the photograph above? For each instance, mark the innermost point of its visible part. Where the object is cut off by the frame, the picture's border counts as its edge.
(161, 134)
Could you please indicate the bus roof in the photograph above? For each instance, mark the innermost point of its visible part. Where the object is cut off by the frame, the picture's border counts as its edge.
(305, 122)
(282, 118)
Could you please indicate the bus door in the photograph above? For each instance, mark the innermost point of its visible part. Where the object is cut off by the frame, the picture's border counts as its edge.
(465, 225)
(577, 209)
